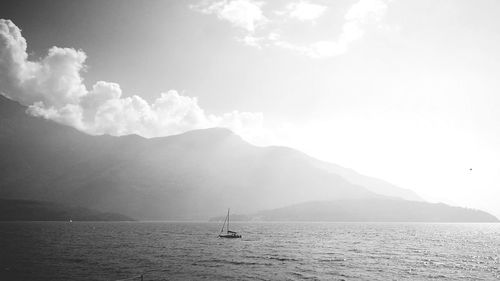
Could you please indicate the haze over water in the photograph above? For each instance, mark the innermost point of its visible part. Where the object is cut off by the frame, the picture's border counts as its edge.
(277, 251)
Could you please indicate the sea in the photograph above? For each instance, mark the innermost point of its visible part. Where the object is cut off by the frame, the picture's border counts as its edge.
(267, 251)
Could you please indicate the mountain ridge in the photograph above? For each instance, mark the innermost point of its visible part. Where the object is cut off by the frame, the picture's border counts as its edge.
(187, 176)
(369, 210)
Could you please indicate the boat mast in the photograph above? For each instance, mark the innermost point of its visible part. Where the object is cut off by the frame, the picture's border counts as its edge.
(227, 220)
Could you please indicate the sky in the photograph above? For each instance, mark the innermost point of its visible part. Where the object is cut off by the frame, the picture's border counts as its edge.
(406, 91)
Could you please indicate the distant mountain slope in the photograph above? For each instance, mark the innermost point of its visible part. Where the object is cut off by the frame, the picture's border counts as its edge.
(29, 210)
(194, 175)
(372, 184)
(371, 210)
(185, 176)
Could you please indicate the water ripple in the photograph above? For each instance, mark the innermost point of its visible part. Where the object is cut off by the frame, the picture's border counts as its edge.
(60, 251)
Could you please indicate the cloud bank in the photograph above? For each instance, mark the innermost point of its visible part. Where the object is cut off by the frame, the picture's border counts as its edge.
(52, 87)
(247, 15)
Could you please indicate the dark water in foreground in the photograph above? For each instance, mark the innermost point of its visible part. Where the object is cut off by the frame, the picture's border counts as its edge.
(268, 251)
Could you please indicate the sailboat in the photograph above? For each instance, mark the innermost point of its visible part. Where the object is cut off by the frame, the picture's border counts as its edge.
(229, 233)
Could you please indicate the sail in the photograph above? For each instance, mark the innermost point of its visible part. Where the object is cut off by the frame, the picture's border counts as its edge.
(229, 233)
(222, 229)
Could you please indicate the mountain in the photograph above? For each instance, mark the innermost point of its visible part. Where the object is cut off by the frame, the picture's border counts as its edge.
(29, 210)
(369, 210)
(372, 184)
(194, 175)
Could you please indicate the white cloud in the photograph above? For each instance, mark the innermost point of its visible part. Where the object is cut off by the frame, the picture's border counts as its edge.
(69, 114)
(246, 14)
(365, 10)
(54, 80)
(252, 41)
(304, 11)
(359, 14)
(53, 88)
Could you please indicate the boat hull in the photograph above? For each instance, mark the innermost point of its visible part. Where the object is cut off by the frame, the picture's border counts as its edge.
(229, 236)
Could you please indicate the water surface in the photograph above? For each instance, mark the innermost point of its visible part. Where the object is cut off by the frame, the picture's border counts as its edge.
(268, 251)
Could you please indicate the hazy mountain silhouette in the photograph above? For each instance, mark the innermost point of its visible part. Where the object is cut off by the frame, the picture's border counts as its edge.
(372, 184)
(193, 175)
(29, 210)
(365, 210)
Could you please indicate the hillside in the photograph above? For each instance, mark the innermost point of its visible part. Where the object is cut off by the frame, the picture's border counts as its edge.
(29, 210)
(194, 175)
(367, 210)
(374, 210)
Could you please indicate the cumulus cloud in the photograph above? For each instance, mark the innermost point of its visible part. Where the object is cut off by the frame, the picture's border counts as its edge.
(55, 79)
(246, 14)
(52, 88)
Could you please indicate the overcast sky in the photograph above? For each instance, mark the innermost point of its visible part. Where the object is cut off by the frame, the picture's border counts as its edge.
(407, 91)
